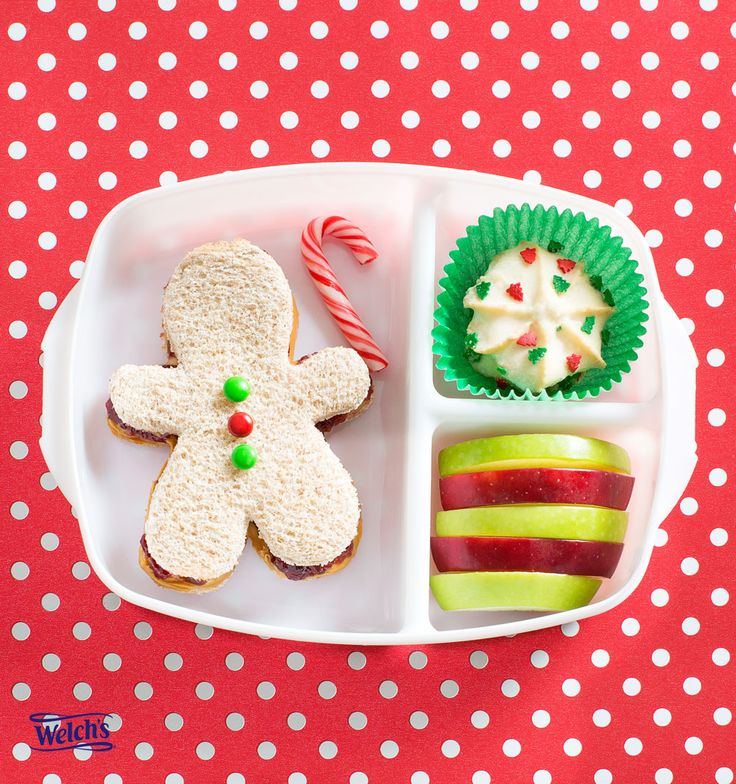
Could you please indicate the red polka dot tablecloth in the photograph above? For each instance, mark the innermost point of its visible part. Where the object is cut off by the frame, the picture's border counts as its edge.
(631, 103)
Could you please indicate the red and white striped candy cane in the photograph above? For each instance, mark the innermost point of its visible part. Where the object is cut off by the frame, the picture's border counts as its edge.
(331, 291)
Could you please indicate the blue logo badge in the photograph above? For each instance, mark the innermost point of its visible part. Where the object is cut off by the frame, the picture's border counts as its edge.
(78, 731)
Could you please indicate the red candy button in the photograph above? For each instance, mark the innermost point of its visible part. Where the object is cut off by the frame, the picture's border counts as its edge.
(240, 424)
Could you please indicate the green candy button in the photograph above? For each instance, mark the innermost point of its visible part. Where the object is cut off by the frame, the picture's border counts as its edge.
(244, 457)
(236, 388)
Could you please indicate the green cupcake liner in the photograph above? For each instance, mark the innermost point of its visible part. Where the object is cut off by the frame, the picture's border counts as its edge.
(608, 264)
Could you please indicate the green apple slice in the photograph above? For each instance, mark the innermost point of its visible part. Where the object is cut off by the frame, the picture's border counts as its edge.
(533, 450)
(541, 521)
(512, 590)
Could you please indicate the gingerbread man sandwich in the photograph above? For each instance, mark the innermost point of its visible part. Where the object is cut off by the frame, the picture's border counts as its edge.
(245, 425)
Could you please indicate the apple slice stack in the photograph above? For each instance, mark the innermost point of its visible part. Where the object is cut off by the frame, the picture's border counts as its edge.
(530, 522)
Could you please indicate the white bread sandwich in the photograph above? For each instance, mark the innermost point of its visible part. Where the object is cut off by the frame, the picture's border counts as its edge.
(245, 426)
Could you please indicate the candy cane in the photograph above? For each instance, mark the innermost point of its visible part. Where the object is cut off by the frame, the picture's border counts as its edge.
(331, 291)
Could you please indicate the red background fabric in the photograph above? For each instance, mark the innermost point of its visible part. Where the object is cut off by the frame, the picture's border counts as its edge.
(650, 129)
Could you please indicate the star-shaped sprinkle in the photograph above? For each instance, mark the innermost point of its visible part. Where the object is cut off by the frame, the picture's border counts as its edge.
(529, 255)
(527, 339)
(588, 325)
(483, 288)
(515, 292)
(573, 362)
(535, 354)
(560, 284)
(565, 265)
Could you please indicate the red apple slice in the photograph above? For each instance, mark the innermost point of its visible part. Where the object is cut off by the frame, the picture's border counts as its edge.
(512, 554)
(512, 590)
(529, 450)
(536, 486)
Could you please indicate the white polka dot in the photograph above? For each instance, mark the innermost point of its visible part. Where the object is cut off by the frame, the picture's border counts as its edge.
(47, 240)
(709, 5)
(683, 208)
(688, 506)
(591, 119)
(592, 178)
(650, 119)
(571, 687)
(319, 30)
(440, 89)
(198, 89)
(21, 751)
(77, 31)
(47, 300)
(441, 148)
(650, 61)
(715, 358)
(501, 148)
(560, 30)
(709, 61)
(17, 91)
(320, 89)
(681, 89)
(16, 31)
(570, 629)
(530, 60)
(137, 31)
(198, 148)
(109, 5)
(46, 62)
(480, 719)
(349, 120)
(410, 119)
(718, 537)
(689, 566)
(107, 180)
(259, 148)
(17, 150)
(19, 509)
(631, 687)
(714, 298)
(469, 60)
(620, 30)
(561, 89)
(511, 747)
(562, 148)
(541, 718)
(379, 29)
(167, 120)
(531, 119)
(350, 60)
(107, 61)
(621, 89)
(712, 178)
(198, 30)
(590, 61)
(532, 176)
(18, 390)
(470, 119)
(138, 90)
(693, 745)
(711, 119)
(228, 61)
(716, 417)
(228, 120)
(684, 267)
(652, 179)
(630, 627)
(288, 61)
(450, 748)
(724, 776)
(381, 148)
(682, 148)
(691, 626)
(17, 210)
(107, 121)
(501, 88)
(380, 89)
(719, 597)
(679, 30)
(320, 148)
(572, 747)
(600, 658)
(439, 30)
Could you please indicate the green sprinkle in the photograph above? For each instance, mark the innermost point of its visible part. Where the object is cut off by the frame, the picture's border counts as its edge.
(501, 370)
(588, 325)
(554, 246)
(470, 355)
(560, 284)
(605, 336)
(482, 289)
(596, 281)
(559, 328)
(608, 297)
(471, 340)
(536, 354)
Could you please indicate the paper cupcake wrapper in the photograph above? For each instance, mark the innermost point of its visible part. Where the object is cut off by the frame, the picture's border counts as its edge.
(608, 264)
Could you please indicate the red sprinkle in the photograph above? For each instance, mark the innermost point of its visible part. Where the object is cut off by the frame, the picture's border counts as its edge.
(529, 255)
(573, 362)
(501, 383)
(514, 291)
(527, 339)
(565, 265)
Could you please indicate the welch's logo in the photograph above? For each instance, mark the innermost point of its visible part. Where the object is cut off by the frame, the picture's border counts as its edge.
(55, 732)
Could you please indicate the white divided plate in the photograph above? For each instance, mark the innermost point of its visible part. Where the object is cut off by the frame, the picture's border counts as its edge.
(414, 214)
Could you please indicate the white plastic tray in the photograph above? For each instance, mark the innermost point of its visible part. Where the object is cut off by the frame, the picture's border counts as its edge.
(414, 215)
